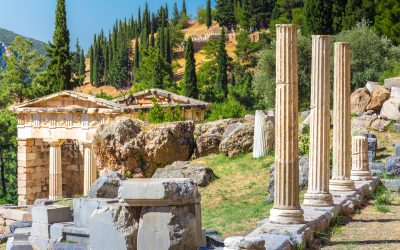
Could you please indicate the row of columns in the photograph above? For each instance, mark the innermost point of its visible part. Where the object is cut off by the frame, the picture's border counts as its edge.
(55, 168)
(287, 209)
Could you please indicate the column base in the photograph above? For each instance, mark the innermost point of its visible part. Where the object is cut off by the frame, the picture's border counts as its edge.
(360, 175)
(318, 199)
(342, 185)
(284, 216)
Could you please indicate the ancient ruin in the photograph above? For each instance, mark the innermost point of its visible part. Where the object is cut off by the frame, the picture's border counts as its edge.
(318, 183)
(286, 208)
(360, 170)
(262, 140)
(341, 121)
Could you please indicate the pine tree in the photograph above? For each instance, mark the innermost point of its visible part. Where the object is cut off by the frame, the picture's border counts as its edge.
(221, 84)
(209, 17)
(190, 88)
(319, 17)
(226, 13)
(59, 69)
(184, 12)
(176, 16)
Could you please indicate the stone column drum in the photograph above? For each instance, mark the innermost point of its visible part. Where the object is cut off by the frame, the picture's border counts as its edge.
(55, 169)
(360, 168)
(341, 121)
(318, 180)
(286, 209)
(90, 173)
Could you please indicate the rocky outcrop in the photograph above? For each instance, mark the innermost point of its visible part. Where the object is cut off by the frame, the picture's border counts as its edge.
(380, 125)
(362, 123)
(379, 96)
(239, 141)
(360, 100)
(209, 135)
(136, 148)
(392, 82)
(391, 109)
(201, 175)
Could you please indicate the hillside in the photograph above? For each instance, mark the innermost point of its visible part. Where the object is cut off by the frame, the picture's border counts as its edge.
(7, 37)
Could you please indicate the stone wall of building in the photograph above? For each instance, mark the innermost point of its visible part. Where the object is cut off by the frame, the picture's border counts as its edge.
(33, 170)
(72, 168)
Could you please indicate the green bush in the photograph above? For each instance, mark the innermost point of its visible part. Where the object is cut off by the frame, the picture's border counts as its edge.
(228, 109)
(304, 143)
(104, 96)
(158, 114)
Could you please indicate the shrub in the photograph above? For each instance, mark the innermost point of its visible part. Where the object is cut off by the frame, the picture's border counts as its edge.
(304, 143)
(158, 114)
(228, 109)
(104, 96)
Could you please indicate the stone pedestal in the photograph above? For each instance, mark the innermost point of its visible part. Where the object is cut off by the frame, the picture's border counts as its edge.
(286, 209)
(318, 181)
(341, 121)
(55, 169)
(360, 166)
(90, 173)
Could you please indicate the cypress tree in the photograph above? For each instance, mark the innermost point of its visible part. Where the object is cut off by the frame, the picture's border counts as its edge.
(168, 49)
(76, 58)
(82, 70)
(139, 27)
(152, 42)
(175, 15)
(221, 84)
(59, 69)
(166, 12)
(190, 88)
(209, 17)
(137, 55)
(144, 34)
(158, 78)
(91, 62)
(319, 17)
(225, 13)
(184, 12)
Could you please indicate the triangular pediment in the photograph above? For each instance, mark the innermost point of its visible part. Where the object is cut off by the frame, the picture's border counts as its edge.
(68, 100)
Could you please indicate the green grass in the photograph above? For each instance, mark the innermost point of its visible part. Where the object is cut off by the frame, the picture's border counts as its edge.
(382, 208)
(235, 202)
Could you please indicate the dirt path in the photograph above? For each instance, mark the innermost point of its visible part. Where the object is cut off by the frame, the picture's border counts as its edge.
(370, 229)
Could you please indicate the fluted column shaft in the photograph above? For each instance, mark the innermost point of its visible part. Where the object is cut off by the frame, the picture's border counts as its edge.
(90, 173)
(318, 181)
(341, 120)
(55, 169)
(286, 209)
(360, 162)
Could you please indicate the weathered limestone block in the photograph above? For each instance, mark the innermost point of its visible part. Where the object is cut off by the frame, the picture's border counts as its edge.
(249, 242)
(379, 96)
(201, 175)
(360, 169)
(106, 186)
(239, 141)
(392, 82)
(359, 100)
(115, 227)
(84, 207)
(41, 230)
(159, 192)
(170, 227)
(391, 109)
(51, 214)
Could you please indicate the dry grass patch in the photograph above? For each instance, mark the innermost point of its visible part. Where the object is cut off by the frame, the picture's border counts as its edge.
(234, 203)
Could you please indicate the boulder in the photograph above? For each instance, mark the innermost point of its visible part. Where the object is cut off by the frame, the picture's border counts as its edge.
(303, 177)
(393, 165)
(239, 141)
(390, 109)
(392, 82)
(229, 130)
(209, 136)
(114, 227)
(380, 125)
(249, 118)
(201, 175)
(379, 96)
(371, 86)
(395, 92)
(169, 228)
(106, 186)
(360, 100)
(362, 123)
(135, 148)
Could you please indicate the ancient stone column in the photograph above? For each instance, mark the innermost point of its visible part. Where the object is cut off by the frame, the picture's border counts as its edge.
(90, 173)
(55, 168)
(341, 121)
(263, 133)
(318, 180)
(286, 209)
(360, 168)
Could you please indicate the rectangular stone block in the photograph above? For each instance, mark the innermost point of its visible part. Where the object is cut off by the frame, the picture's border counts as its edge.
(159, 192)
(84, 207)
(41, 230)
(51, 214)
(56, 230)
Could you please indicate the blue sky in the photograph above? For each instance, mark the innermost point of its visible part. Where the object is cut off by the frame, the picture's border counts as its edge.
(35, 18)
